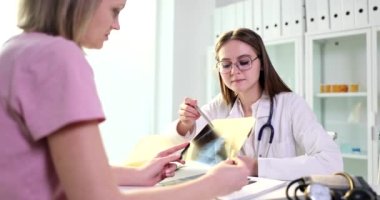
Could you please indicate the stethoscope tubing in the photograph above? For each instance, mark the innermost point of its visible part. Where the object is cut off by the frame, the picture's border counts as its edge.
(268, 124)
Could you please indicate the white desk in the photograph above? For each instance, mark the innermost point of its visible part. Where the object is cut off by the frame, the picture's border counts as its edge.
(277, 194)
(277, 191)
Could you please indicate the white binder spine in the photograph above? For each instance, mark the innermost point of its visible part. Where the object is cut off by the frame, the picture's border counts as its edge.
(258, 17)
(239, 12)
(323, 19)
(248, 14)
(348, 18)
(336, 14)
(361, 13)
(271, 19)
(287, 10)
(374, 12)
(311, 16)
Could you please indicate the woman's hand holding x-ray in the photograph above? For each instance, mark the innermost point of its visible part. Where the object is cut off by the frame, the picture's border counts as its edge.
(187, 115)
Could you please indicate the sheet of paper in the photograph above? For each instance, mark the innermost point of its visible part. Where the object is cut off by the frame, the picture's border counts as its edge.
(259, 187)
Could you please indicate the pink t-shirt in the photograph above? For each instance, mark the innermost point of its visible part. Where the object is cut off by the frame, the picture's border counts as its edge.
(45, 84)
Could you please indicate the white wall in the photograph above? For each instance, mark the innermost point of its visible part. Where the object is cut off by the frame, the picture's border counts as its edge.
(8, 20)
(124, 71)
(185, 54)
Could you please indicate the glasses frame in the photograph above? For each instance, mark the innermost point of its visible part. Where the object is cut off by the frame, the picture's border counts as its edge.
(237, 64)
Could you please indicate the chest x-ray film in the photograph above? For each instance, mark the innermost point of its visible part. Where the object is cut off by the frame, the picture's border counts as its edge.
(223, 141)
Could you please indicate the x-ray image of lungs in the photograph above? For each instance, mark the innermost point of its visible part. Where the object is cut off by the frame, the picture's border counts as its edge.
(208, 147)
(224, 140)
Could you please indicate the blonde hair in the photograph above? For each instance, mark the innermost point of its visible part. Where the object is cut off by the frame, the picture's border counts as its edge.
(66, 18)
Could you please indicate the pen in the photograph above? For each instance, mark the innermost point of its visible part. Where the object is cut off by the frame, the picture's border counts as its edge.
(204, 116)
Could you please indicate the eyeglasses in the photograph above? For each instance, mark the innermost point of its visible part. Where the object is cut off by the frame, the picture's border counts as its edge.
(243, 63)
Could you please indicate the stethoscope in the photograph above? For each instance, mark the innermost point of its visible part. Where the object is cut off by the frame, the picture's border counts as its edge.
(267, 125)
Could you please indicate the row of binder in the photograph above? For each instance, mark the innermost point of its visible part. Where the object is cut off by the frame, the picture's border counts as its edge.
(275, 18)
(324, 15)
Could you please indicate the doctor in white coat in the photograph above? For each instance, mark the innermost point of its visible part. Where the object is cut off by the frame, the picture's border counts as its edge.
(250, 86)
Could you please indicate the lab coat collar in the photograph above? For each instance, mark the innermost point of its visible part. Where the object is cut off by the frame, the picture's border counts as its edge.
(259, 109)
(264, 106)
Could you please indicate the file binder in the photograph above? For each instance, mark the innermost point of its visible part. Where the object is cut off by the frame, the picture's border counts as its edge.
(348, 18)
(248, 15)
(258, 17)
(271, 19)
(374, 12)
(336, 14)
(323, 16)
(239, 13)
(292, 13)
(298, 23)
(361, 13)
(311, 16)
(287, 10)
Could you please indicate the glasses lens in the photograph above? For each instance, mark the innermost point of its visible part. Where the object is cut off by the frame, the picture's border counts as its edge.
(244, 63)
(224, 66)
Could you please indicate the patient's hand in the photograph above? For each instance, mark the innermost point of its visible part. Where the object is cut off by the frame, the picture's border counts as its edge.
(159, 168)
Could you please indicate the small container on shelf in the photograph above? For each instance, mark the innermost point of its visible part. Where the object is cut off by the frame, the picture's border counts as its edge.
(356, 150)
(339, 88)
(325, 88)
(353, 87)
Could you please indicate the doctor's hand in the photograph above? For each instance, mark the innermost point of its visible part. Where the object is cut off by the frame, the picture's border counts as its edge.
(187, 115)
(252, 164)
(228, 176)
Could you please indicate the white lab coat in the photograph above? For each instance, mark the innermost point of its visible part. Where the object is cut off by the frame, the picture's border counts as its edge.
(301, 146)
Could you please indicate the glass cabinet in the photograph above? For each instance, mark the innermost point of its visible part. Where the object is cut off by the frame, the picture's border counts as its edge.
(284, 55)
(339, 90)
(376, 105)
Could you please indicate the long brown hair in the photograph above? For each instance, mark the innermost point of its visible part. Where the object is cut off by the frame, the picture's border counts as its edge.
(66, 18)
(269, 80)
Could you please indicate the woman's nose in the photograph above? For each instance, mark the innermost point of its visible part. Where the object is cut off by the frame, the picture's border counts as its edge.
(116, 24)
(235, 68)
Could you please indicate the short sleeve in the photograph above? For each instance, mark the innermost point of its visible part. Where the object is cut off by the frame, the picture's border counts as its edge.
(55, 88)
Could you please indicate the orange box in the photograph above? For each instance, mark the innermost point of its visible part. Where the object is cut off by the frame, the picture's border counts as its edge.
(354, 88)
(339, 88)
(325, 88)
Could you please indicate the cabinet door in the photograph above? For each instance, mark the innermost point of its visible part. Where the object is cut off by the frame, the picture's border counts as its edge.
(339, 76)
(376, 91)
(284, 55)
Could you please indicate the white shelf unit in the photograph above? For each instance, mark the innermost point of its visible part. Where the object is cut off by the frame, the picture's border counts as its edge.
(284, 53)
(376, 102)
(349, 46)
(344, 57)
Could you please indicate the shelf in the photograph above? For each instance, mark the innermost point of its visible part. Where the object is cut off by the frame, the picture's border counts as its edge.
(337, 33)
(341, 94)
(355, 156)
